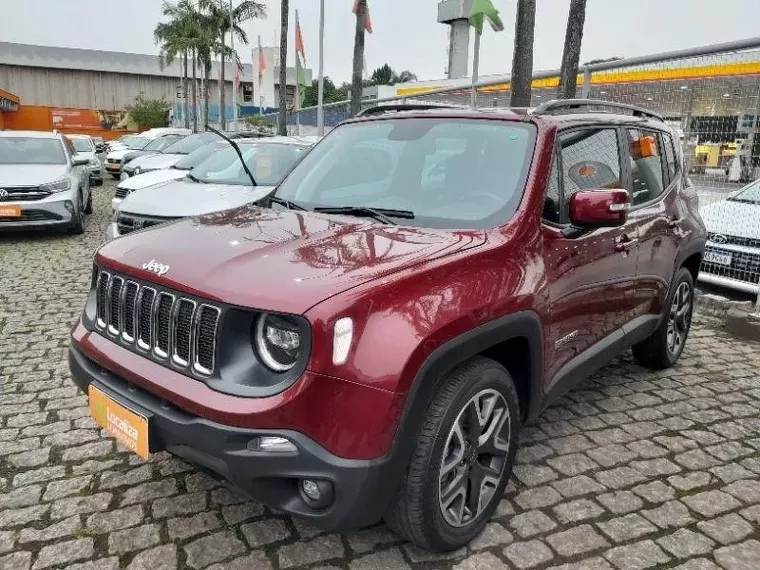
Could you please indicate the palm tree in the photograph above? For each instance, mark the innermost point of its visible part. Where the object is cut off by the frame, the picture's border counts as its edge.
(283, 89)
(571, 55)
(220, 16)
(522, 58)
(356, 78)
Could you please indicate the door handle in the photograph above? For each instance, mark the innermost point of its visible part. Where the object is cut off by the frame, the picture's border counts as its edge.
(625, 242)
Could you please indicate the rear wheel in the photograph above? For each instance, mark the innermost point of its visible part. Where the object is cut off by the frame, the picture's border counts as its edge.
(664, 347)
(88, 205)
(462, 460)
(77, 221)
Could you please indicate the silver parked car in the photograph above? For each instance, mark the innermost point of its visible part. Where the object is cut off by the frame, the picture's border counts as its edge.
(732, 254)
(218, 183)
(85, 146)
(43, 182)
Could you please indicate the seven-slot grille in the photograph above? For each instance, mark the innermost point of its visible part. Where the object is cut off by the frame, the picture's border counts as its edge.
(168, 327)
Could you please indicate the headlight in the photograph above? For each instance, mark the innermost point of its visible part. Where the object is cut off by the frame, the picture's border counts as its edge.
(57, 186)
(278, 342)
(137, 170)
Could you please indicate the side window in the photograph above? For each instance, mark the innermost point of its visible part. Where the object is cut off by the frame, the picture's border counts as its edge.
(590, 159)
(670, 156)
(69, 148)
(646, 166)
(552, 202)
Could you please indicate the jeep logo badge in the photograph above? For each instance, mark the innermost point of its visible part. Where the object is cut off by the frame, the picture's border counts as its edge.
(156, 267)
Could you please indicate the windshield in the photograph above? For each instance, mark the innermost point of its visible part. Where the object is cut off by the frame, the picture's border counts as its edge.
(135, 142)
(449, 173)
(268, 164)
(31, 150)
(82, 145)
(191, 143)
(197, 156)
(750, 195)
(161, 143)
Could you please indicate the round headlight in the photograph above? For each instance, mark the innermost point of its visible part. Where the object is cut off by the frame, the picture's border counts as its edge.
(278, 342)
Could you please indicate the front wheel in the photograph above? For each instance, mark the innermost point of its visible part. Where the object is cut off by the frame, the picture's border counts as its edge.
(462, 459)
(664, 347)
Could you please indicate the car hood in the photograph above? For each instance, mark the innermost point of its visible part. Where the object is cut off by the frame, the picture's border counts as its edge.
(156, 161)
(279, 260)
(30, 174)
(119, 153)
(183, 198)
(151, 178)
(732, 218)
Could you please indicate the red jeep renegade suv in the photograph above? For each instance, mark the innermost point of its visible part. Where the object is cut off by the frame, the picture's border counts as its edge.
(366, 342)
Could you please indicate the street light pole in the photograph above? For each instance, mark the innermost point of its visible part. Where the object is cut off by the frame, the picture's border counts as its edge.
(234, 71)
(321, 83)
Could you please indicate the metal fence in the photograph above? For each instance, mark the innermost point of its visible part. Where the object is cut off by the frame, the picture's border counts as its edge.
(710, 95)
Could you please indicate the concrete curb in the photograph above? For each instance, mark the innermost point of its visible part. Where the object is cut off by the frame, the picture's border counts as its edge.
(735, 316)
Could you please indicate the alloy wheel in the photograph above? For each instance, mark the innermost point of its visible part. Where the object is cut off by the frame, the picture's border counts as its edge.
(474, 458)
(679, 318)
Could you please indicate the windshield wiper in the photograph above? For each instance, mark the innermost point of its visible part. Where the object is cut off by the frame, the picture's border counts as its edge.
(379, 214)
(282, 202)
(193, 178)
(237, 150)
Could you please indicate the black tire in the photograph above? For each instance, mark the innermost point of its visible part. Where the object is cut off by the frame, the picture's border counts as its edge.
(77, 223)
(417, 511)
(88, 205)
(660, 351)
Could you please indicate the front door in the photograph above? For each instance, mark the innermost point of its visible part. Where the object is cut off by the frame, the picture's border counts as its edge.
(591, 275)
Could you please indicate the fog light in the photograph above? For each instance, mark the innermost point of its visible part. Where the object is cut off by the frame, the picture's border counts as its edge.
(316, 493)
(271, 444)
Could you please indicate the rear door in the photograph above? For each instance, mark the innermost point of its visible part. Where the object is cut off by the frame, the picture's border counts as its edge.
(653, 179)
(591, 274)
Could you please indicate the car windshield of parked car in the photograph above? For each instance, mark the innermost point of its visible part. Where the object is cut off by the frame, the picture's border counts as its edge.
(135, 142)
(750, 195)
(82, 145)
(161, 143)
(191, 143)
(199, 155)
(31, 150)
(267, 162)
(448, 173)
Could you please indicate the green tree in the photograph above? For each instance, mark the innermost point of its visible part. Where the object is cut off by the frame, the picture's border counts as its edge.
(150, 113)
(332, 94)
(385, 75)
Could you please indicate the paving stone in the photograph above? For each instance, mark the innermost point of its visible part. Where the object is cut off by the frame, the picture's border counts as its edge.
(570, 444)
(572, 464)
(111, 563)
(64, 553)
(149, 491)
(655, 492)
(528, 554)
(730, 472)
(726, 529)
(386, 560)
(493, 534)
(185, 527)
(578, 510)
(39, 475)
(16, 561)
(655, 467)
(577, 540)
(620, 502)
(57, 530)
(685, 543)
(752, 514)
(696, 459)
(417, 555)
(637, 556)
(319, 549)
(264, 532)
(63, 508)
(670, 514)
(253, 561)
(577, 486)
(66, 487)
(538, 497)
(367, 539)
(23, 516)
(711, 503)
(162, 557)
(182, 505)
(533, 475)
(226, 496)
(114, 479)
(611, 455)
(689, 481)
(233, 514)
(742, 556)
(23, 497)
(627, 528)
(746, 490)
(697, 564)
(619, 477)
(6, 541)
(89, 450)
(482, 561)
(595, 563)
(115, 520)
(137, 538)
(531, 523)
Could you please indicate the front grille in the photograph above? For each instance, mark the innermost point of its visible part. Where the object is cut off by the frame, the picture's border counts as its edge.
(121, 192)
(734, 240)
(128, 223)
(25, 194)
(114, 161)
(158, 323)
(33, 216)
(744, 266)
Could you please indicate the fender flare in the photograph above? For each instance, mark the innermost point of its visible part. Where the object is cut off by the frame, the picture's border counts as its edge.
(523, 324)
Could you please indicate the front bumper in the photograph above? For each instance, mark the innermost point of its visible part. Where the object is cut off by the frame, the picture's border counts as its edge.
(112, 231)
(115, 203)
(730, 283)
(53, 211)
(362, 489)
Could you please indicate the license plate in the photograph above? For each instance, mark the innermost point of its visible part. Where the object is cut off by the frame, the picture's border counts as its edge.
(718, 258)
(10, 211)
(129, 428)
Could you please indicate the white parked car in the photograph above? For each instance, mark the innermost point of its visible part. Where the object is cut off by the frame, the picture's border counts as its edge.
(732, 253)
(218, 183)
(85, 146)
(125, 145)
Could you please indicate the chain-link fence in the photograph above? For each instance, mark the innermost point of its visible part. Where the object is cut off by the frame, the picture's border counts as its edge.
(709, 95)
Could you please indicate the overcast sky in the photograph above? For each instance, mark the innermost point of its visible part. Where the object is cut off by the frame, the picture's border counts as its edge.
(407, 35)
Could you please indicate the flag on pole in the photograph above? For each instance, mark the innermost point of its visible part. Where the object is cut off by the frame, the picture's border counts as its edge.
(482, 10)
(262, 63)
(367, 19)
(300, 61)
(300, 50)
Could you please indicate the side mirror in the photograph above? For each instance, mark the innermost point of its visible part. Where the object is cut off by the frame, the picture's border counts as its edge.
(599, 208)
(79, 160)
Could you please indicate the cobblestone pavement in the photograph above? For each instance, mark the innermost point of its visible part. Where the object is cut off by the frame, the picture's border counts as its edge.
(632, 470)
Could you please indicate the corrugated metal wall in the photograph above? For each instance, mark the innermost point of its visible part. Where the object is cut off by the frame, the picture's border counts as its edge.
(89, 89)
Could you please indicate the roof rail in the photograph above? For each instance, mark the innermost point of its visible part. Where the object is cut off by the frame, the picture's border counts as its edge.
(379, 109)
(568, 104)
